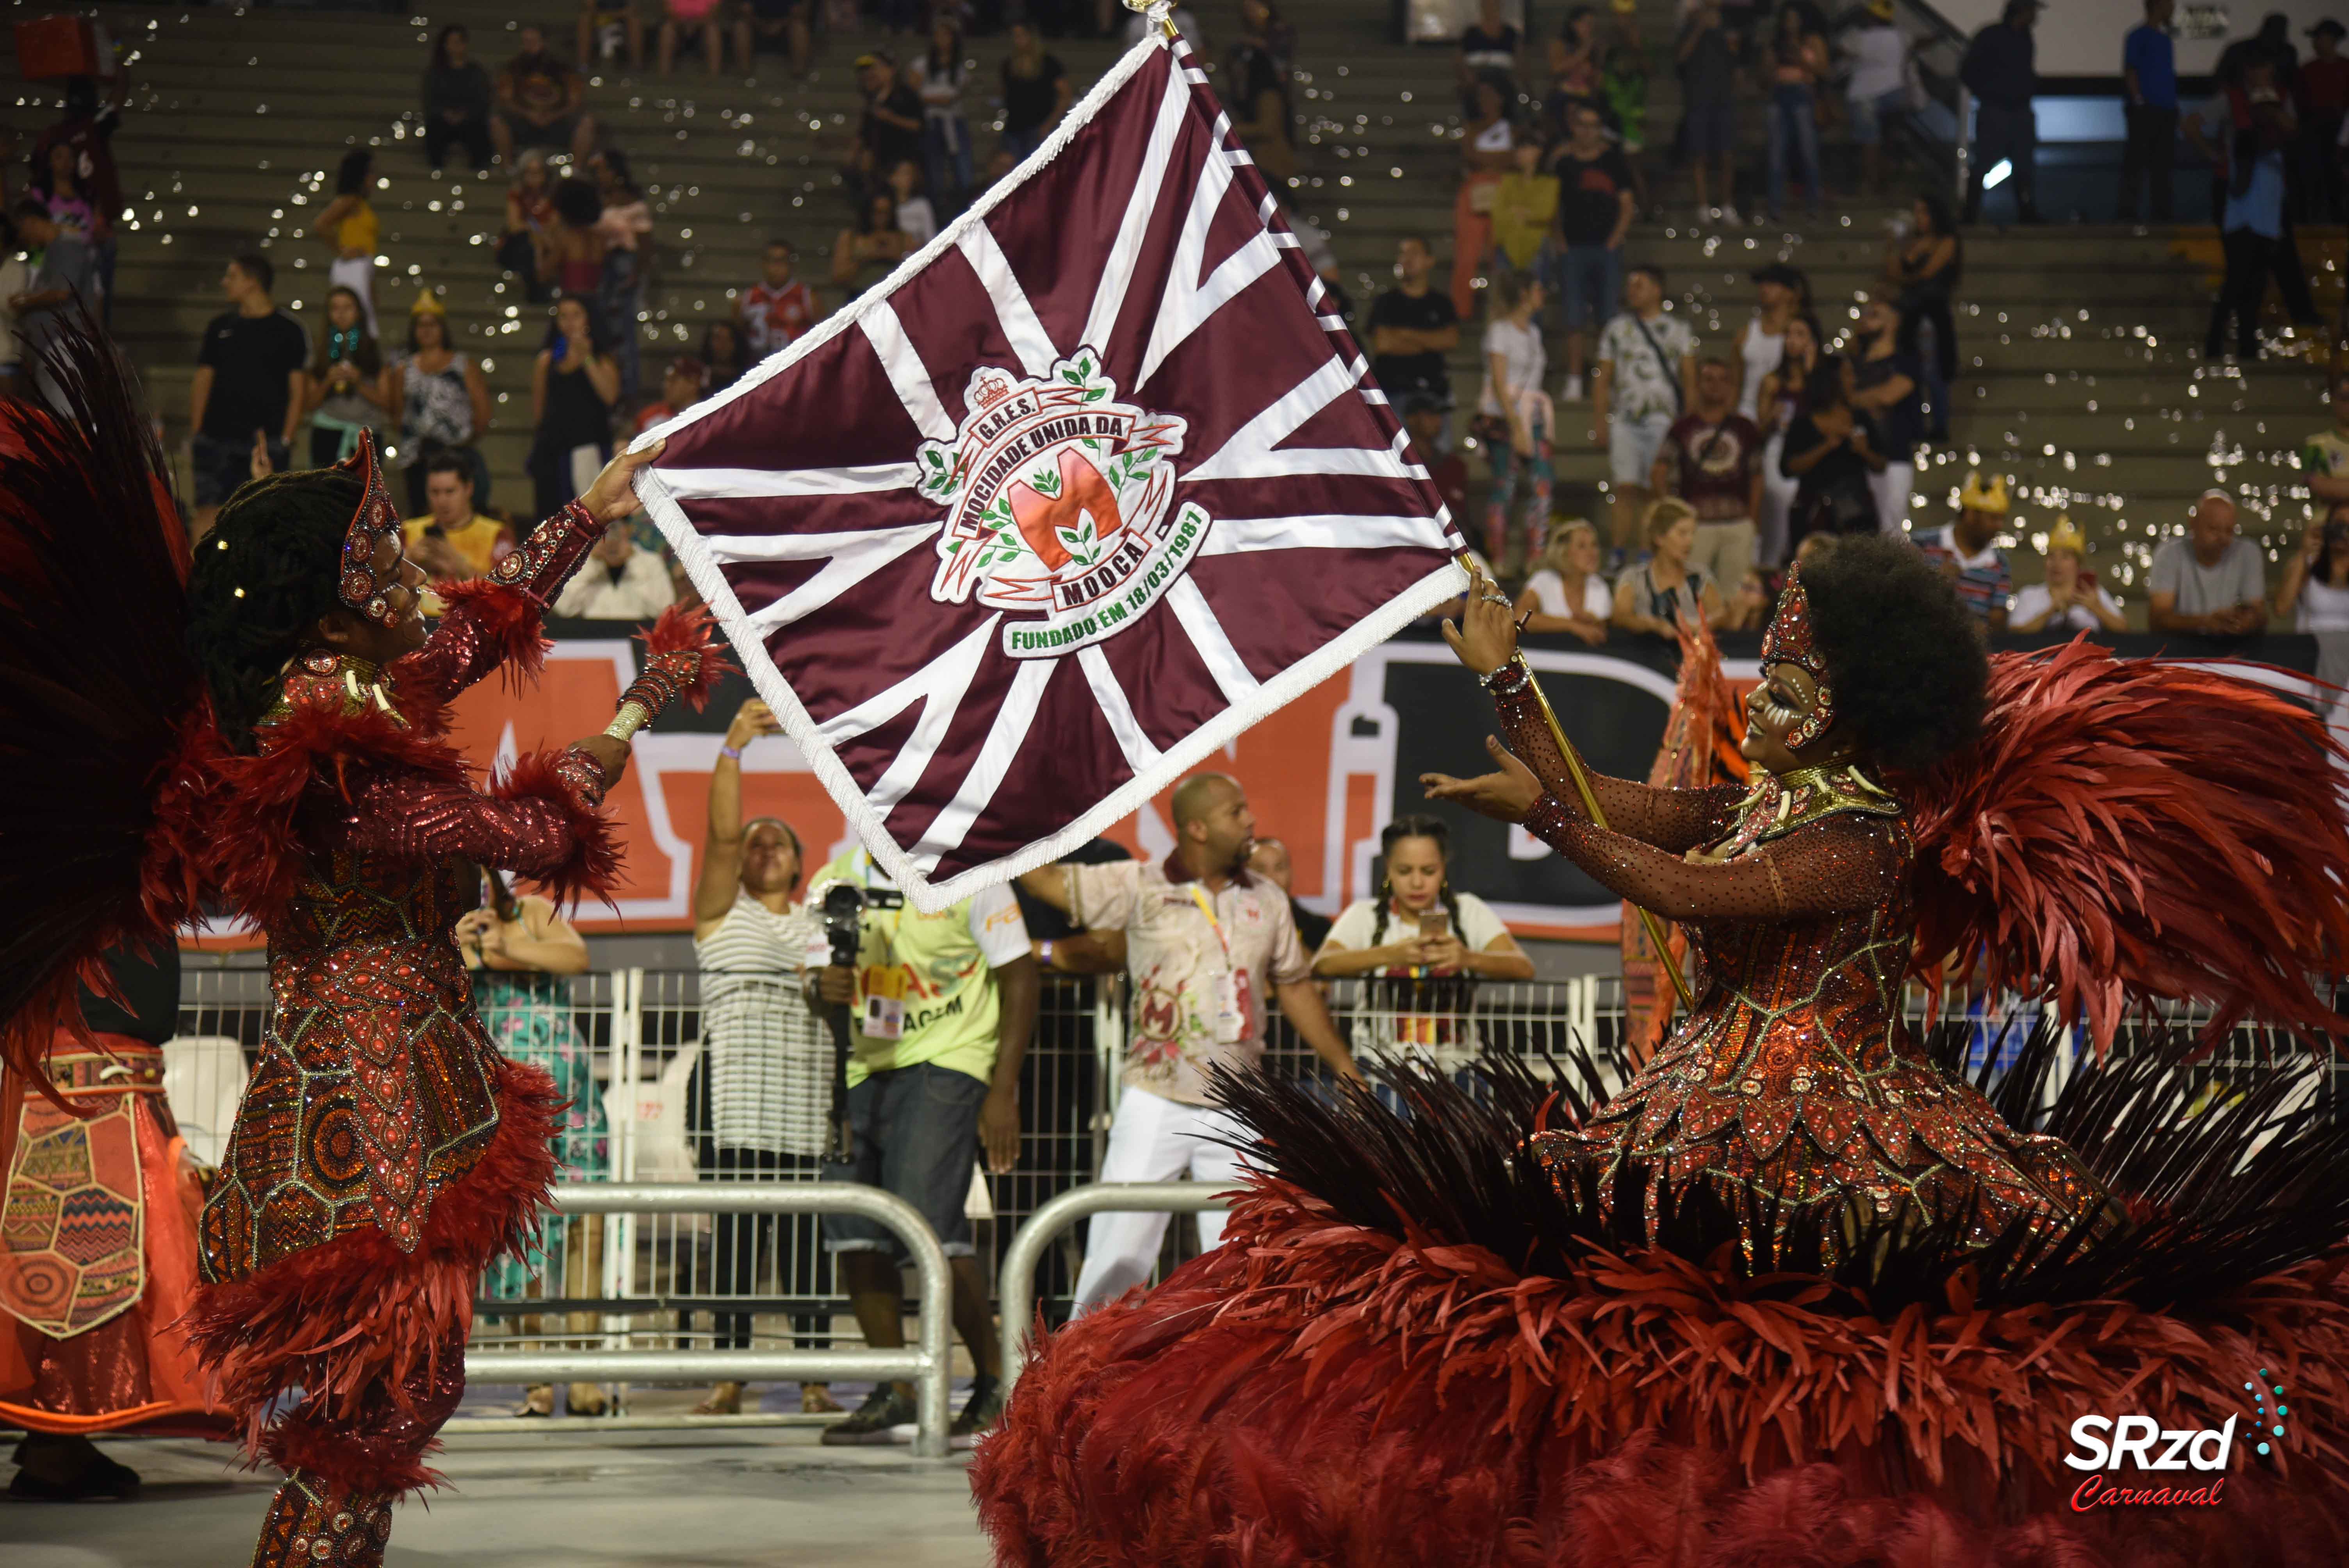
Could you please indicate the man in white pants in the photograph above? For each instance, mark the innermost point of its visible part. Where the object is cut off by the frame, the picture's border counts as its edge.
(1203, 939)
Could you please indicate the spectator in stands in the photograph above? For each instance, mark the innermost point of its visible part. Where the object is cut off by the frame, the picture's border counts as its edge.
(862, 255)
(1270, 861)
(2071, 599)
(15, 279)
(1489, 47)
(1749, 605)
(349, 224)
(87, 130)
(944, 1008)
(2320, 99)
(1524, 210)
(609, 30)
(1707, 54)
(1798, 63)
(1036, 92)
(458, 97)
(1882, 381)
(624, 222)
(539, 103)
(1257, 87)
(773, 24)
(1968, 552)
(779, 307)
(1568, 594)
(1877, 90)
(620, 582)
(1646, 372)
(1576, 59)
(918, 219)
(2001, 70)
(1922, 267)
(770, 1063)
(1623, 82)
(1779, 292)
(1447, 470)
(725, 353)
(442, 398)
(570, 257)
(1784, 395)
(1396, 931)
(1595, 210)
(1412, 326)
(1712, 458)
(889, 131)
(1513, 419)
(940, 77)
(2247, 129)
(2208, 581)
(686, 21)
(681, 387)
(2324, 458)
(248, 385)
(452, 540)
(2149, 103)
(1669, 587)
(63, 284)
(2314, 593)
(575, 384)
(344, 391)
(1485, 154)
(68, 198)
(529, 226)
(1828, 454)
(1204, 934)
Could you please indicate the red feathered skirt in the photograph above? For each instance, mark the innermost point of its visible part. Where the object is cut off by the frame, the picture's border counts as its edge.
(97, 1252)
(1315, 1393)
(372, 1335)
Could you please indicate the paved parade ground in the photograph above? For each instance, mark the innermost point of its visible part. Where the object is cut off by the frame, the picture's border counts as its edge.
(535, 1498)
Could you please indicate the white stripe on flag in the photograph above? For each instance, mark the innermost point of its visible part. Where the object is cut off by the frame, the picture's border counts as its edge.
(940, 686)
(1186, 305)
(1117, 270)
(1140, 754)
(907, 372)
(1223, 660)
(1326, 530)
(1020, 704)
(848, 559)
(1249, 449)
(728, 484)
(1028, 339)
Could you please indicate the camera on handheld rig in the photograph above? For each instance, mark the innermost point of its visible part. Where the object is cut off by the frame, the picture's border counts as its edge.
(844, 905)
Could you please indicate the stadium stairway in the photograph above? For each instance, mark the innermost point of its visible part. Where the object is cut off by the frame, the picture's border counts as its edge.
(2079, 347)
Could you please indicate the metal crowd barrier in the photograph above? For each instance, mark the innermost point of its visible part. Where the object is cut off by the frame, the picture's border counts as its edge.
(1015, 1293)
(926, 1362)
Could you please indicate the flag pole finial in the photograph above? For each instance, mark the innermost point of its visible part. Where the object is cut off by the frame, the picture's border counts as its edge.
(1156, 11)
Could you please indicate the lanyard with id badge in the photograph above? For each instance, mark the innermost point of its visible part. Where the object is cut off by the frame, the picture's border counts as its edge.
(881, 1003)
(1231, 988)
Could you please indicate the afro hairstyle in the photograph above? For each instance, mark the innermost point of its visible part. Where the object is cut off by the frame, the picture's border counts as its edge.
(1905, 657)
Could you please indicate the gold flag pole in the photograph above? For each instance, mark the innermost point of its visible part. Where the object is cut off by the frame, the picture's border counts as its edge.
(1648, 917)
(1156, 11)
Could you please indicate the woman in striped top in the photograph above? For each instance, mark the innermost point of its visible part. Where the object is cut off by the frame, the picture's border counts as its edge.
(769, 1062)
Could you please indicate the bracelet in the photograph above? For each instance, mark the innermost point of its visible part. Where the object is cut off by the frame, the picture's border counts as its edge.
(1044, 952)
(1514, 668)
(734, 752)
(632, 717)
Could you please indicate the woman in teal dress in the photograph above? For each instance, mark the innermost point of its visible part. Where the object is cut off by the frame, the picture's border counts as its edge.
(518, 951)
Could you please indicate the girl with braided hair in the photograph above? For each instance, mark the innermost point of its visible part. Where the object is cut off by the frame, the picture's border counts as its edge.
(268, 731)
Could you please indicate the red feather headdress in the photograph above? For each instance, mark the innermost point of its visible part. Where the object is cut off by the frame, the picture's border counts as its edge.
(2134, 828)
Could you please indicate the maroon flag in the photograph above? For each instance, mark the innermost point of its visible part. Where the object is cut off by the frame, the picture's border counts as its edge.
(1087, 487)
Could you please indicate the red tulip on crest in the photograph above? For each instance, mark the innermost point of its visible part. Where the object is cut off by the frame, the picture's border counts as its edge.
(1040, 518)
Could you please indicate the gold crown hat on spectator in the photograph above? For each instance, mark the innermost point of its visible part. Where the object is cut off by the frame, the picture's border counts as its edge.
(1983, 495)
(427, 302)
(2067, 535)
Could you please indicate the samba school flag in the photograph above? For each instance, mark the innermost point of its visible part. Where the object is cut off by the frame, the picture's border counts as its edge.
(1085, 487)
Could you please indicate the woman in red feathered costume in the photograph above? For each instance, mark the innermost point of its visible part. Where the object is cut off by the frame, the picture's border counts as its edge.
(275, 738)
(1797, 1296)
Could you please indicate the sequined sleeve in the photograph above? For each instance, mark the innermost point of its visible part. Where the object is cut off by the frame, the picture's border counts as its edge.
(1674, 819)
(1846, 862)
(535, 827)
(496, 618)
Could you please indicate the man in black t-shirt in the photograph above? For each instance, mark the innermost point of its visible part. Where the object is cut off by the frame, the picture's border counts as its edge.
(248, 386)
(1412, 326)
(1595, 208)
(891, 131)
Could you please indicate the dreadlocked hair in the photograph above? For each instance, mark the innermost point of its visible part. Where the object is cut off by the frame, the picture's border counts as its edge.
(1395, 833)
(270, 567)
(1906, 659)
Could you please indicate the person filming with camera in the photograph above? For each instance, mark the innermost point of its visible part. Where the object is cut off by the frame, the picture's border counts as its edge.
(940, 1009)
